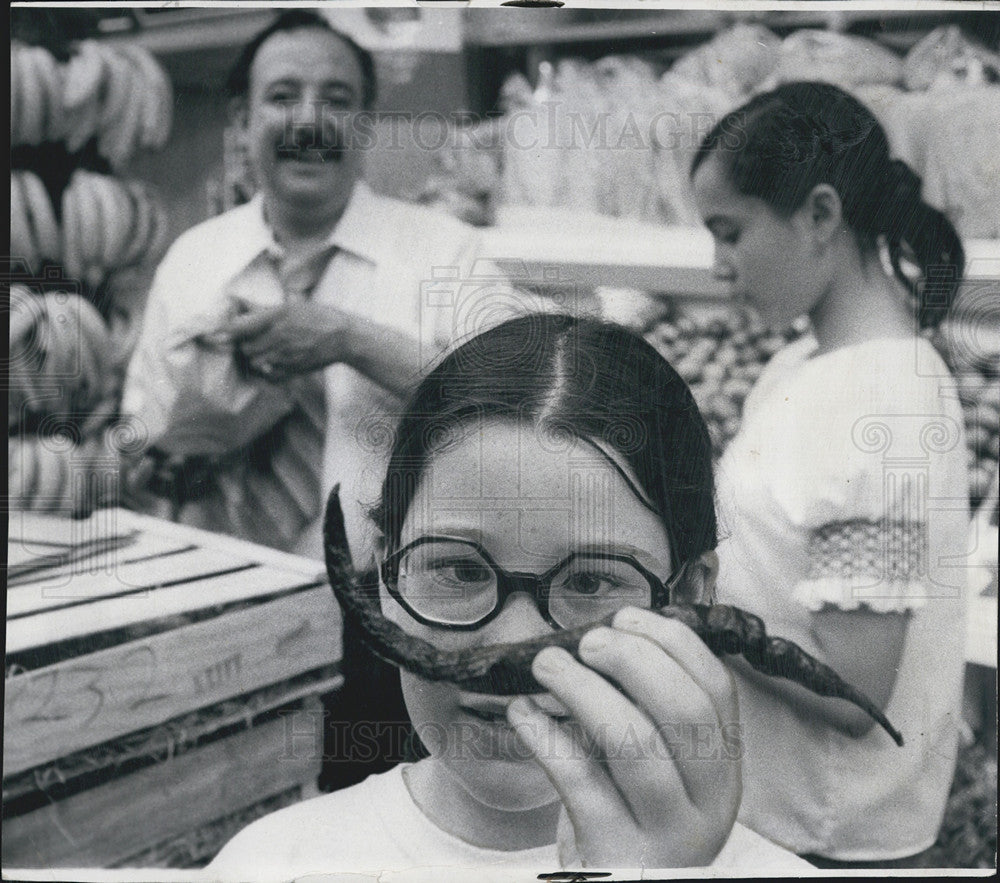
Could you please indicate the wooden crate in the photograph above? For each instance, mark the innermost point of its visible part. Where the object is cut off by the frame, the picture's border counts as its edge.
(158, 678)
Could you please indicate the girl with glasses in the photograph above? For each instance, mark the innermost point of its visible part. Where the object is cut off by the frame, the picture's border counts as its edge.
(844, 496)
(548, 473)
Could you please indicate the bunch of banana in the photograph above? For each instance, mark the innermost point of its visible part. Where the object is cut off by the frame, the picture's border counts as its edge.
(119, 94)
(58, 473)
(61, 357)
(36, 96)
(109, 224)
(60, 382)
(39, 474)
(34, 233)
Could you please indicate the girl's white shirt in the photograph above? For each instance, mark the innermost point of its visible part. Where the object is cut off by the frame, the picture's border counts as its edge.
(374, 830)
(847, 485)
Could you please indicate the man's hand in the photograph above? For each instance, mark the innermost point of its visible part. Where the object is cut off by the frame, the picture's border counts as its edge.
(648, 771)
(296, 338)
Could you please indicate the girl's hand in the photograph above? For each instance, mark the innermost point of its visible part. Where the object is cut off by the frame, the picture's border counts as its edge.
(650, 774)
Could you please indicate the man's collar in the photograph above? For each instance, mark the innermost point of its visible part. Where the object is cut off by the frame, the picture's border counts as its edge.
(355, 232)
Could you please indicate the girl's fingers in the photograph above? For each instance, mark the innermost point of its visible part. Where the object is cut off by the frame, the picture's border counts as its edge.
(637, 757)
(680, 708)
(600, 817)
(690, 653)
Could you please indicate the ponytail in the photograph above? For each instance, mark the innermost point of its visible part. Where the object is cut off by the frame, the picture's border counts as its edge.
(920, 233)
(781, 144)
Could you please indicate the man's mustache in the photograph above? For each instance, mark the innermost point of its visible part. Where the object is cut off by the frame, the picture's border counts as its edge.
(318, 138)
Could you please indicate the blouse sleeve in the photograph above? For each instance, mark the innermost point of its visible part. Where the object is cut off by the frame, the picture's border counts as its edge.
(858, 477)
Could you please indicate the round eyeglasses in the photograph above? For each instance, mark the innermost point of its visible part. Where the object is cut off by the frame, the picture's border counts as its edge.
(454, 584)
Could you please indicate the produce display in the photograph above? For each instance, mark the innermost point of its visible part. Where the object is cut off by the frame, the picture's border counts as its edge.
(812, 54)
(104, 224)
(978, 377)
(110, 224)
(946, 58)
(77, 112)
(616, 136)
(34, 231)
(736, 60)
(120, 96)
(722, 357)
(59, 357)
(36, 96)
(61, 395)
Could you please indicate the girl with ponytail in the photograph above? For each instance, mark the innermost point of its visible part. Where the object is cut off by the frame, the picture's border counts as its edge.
(843, 500)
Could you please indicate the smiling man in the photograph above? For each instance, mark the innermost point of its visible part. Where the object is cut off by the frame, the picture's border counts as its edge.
(280, 337)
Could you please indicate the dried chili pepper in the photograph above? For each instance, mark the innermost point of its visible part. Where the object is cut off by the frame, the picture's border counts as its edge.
(505, 669)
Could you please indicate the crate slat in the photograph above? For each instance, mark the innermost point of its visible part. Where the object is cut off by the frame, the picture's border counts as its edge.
(72, 559)
(91, 699)
(146, 545)
(20, 554)
(118, 819)
(31, 529)
(51, 626)
(81, 770)
(235, 546)
(137, 577)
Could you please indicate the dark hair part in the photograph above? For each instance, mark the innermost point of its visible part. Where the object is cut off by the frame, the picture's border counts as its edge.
(567, 376)
(781, 144)
(238, 82)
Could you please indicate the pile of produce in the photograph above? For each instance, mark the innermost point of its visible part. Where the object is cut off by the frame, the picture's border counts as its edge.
(978, 375)
(79, 113)
(812, 54)
(722, 357)
(616, 136)
(947, 58)
(104, 224)
(62, 397)
(118, 95)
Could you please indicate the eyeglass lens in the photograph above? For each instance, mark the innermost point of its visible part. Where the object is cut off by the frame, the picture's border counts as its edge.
(450, 582)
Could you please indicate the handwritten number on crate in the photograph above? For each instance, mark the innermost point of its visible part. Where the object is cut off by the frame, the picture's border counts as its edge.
(78, 693)
(51, 691)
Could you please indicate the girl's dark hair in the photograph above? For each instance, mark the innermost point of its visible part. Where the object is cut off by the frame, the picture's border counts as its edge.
(781, 144)
(567, 376)
(238, 82)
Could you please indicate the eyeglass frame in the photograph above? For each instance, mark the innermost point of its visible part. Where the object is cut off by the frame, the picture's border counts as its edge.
(509, 582)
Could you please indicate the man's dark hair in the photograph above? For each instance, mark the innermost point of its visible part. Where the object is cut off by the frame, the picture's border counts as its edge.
(238, 82)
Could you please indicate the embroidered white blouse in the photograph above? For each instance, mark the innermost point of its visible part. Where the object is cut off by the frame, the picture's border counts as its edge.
(847, 486)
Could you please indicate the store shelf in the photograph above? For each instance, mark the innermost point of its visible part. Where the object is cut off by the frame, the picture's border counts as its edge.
(557, 247)
(502, 41)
